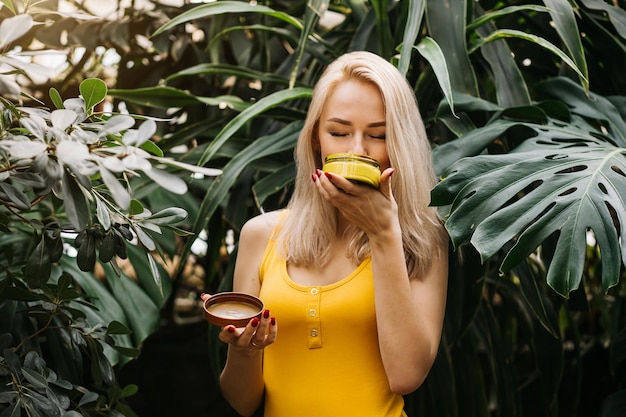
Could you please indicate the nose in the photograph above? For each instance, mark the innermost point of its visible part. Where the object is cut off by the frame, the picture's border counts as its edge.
(357, 145)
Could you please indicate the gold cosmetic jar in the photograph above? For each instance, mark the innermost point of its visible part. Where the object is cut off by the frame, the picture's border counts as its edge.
(355, 167)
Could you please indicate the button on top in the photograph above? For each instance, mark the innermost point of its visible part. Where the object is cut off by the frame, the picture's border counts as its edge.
(314, 291)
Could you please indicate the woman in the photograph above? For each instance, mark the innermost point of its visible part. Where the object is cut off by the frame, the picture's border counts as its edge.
(355, 276)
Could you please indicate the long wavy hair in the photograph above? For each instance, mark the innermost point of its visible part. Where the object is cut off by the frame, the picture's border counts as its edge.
(304, 237)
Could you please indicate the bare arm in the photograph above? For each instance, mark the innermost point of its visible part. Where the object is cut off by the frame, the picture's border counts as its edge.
(409, 313)
(241, 380)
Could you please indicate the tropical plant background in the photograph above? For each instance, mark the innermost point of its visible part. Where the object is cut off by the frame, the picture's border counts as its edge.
(101, 264)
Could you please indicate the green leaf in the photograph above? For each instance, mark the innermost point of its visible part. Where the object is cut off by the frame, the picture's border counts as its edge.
(168, 216)
(565, 23)
(158, 97)
(135, 207)
(126, 351)
(228, 70)
(10, 6)
(156, 272)
(152, 148)
(510, 86)
(411, 30)
(274, 182)
(158, 293)
(107, 247)
(266, 145)
(38, 266)
(617, 16)
(589, 106)
(528, 196)
(129, 390)
(76, 205)
(142, 314)
(468, 145)
(37, 380)
(510, 33)
(433, 54)
(115, 327)
(250, 113)
(56, 98)
(384, 37)
(15, 195)
(446, 25)
(86, 258)
(93, 91)
(314, 10)
(216, 8)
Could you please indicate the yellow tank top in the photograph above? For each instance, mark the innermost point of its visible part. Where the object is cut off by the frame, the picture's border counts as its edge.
(326, 360)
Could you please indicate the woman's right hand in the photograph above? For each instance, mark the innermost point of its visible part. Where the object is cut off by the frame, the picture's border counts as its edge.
(253, 338)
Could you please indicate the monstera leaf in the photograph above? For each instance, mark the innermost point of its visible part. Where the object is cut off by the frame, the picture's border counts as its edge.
(567, 181)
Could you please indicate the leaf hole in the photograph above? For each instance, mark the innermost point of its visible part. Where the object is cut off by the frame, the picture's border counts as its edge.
(543, 212)
(525, 191)
(469, 195)
(557, 156)
(570, 170)
(568, 191)
(618, 170)
(615, 218)
(603, 188)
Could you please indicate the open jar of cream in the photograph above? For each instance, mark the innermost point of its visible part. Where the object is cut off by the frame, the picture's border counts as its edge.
(234, 308)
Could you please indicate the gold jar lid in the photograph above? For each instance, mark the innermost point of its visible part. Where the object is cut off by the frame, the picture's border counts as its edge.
(355, 167)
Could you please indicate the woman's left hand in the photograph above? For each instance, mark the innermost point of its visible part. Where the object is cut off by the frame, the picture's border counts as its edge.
(372, 210)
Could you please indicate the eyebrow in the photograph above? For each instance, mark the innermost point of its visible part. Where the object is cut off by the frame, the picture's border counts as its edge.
(347, 123)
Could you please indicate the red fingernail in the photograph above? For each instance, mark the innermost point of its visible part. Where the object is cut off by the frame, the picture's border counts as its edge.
(319, 172)
(255, 322)
(273, 321)
(231, 329)
(314, 177)
(328, 175)
(266, 314)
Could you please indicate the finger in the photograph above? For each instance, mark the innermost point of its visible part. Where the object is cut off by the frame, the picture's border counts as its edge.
(229, 334)
(335, 185)
(272, 331)
(258, 338)
(385, 181)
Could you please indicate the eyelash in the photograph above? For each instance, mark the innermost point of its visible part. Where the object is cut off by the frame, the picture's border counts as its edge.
(337, 134)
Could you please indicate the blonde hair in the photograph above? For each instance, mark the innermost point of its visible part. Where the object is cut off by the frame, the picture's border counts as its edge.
(305, 237)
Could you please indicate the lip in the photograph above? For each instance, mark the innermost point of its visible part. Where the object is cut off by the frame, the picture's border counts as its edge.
(232, 308)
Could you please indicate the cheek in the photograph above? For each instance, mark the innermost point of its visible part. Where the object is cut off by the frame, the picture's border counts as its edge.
(382, 156)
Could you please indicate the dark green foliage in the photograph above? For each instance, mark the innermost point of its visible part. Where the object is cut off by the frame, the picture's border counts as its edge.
(526, 116)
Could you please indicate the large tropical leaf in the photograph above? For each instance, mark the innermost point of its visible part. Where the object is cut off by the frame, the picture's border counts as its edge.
(565, 181)
(216, 8)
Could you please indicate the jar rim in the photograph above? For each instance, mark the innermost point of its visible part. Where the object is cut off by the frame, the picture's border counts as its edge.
(352, 157)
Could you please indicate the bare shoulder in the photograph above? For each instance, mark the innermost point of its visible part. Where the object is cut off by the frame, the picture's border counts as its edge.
(253, 240)
(260, 228)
